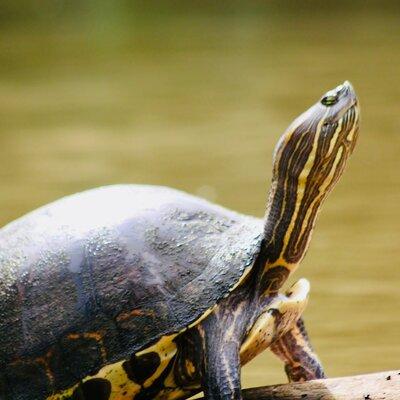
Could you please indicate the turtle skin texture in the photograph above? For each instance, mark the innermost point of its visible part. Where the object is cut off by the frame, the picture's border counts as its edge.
(95, 277)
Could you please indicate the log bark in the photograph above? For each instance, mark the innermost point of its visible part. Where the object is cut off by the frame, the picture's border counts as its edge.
(377, 386)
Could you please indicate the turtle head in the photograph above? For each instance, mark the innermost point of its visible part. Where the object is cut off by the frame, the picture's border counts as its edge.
(315, 147)
(308, 161)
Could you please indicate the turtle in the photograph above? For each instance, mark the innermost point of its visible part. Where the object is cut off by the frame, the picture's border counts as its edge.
(145, 292)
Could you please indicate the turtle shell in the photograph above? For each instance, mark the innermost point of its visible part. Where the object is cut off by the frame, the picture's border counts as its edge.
(97, 276)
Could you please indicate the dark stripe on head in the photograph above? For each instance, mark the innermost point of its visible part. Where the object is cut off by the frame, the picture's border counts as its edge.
(308, 162)
(292, 159)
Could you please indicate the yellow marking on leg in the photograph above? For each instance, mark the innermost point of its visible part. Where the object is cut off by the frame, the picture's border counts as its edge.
(287, 355)
(265, 330)
(287, 350)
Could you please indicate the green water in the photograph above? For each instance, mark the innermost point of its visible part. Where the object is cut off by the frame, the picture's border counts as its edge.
(197, 100)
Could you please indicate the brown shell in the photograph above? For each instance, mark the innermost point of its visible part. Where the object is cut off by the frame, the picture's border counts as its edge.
(95, 277)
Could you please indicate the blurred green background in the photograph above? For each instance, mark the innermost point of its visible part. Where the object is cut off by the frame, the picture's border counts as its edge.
(194, 95)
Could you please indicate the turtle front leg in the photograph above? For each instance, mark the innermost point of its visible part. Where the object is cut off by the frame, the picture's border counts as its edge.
(295, 350)
(221, 336)
(221, 368)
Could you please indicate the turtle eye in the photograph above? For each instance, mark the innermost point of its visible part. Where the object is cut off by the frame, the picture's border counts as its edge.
(329, 100)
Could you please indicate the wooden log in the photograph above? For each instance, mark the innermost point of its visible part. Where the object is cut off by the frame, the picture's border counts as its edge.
(377, 386)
